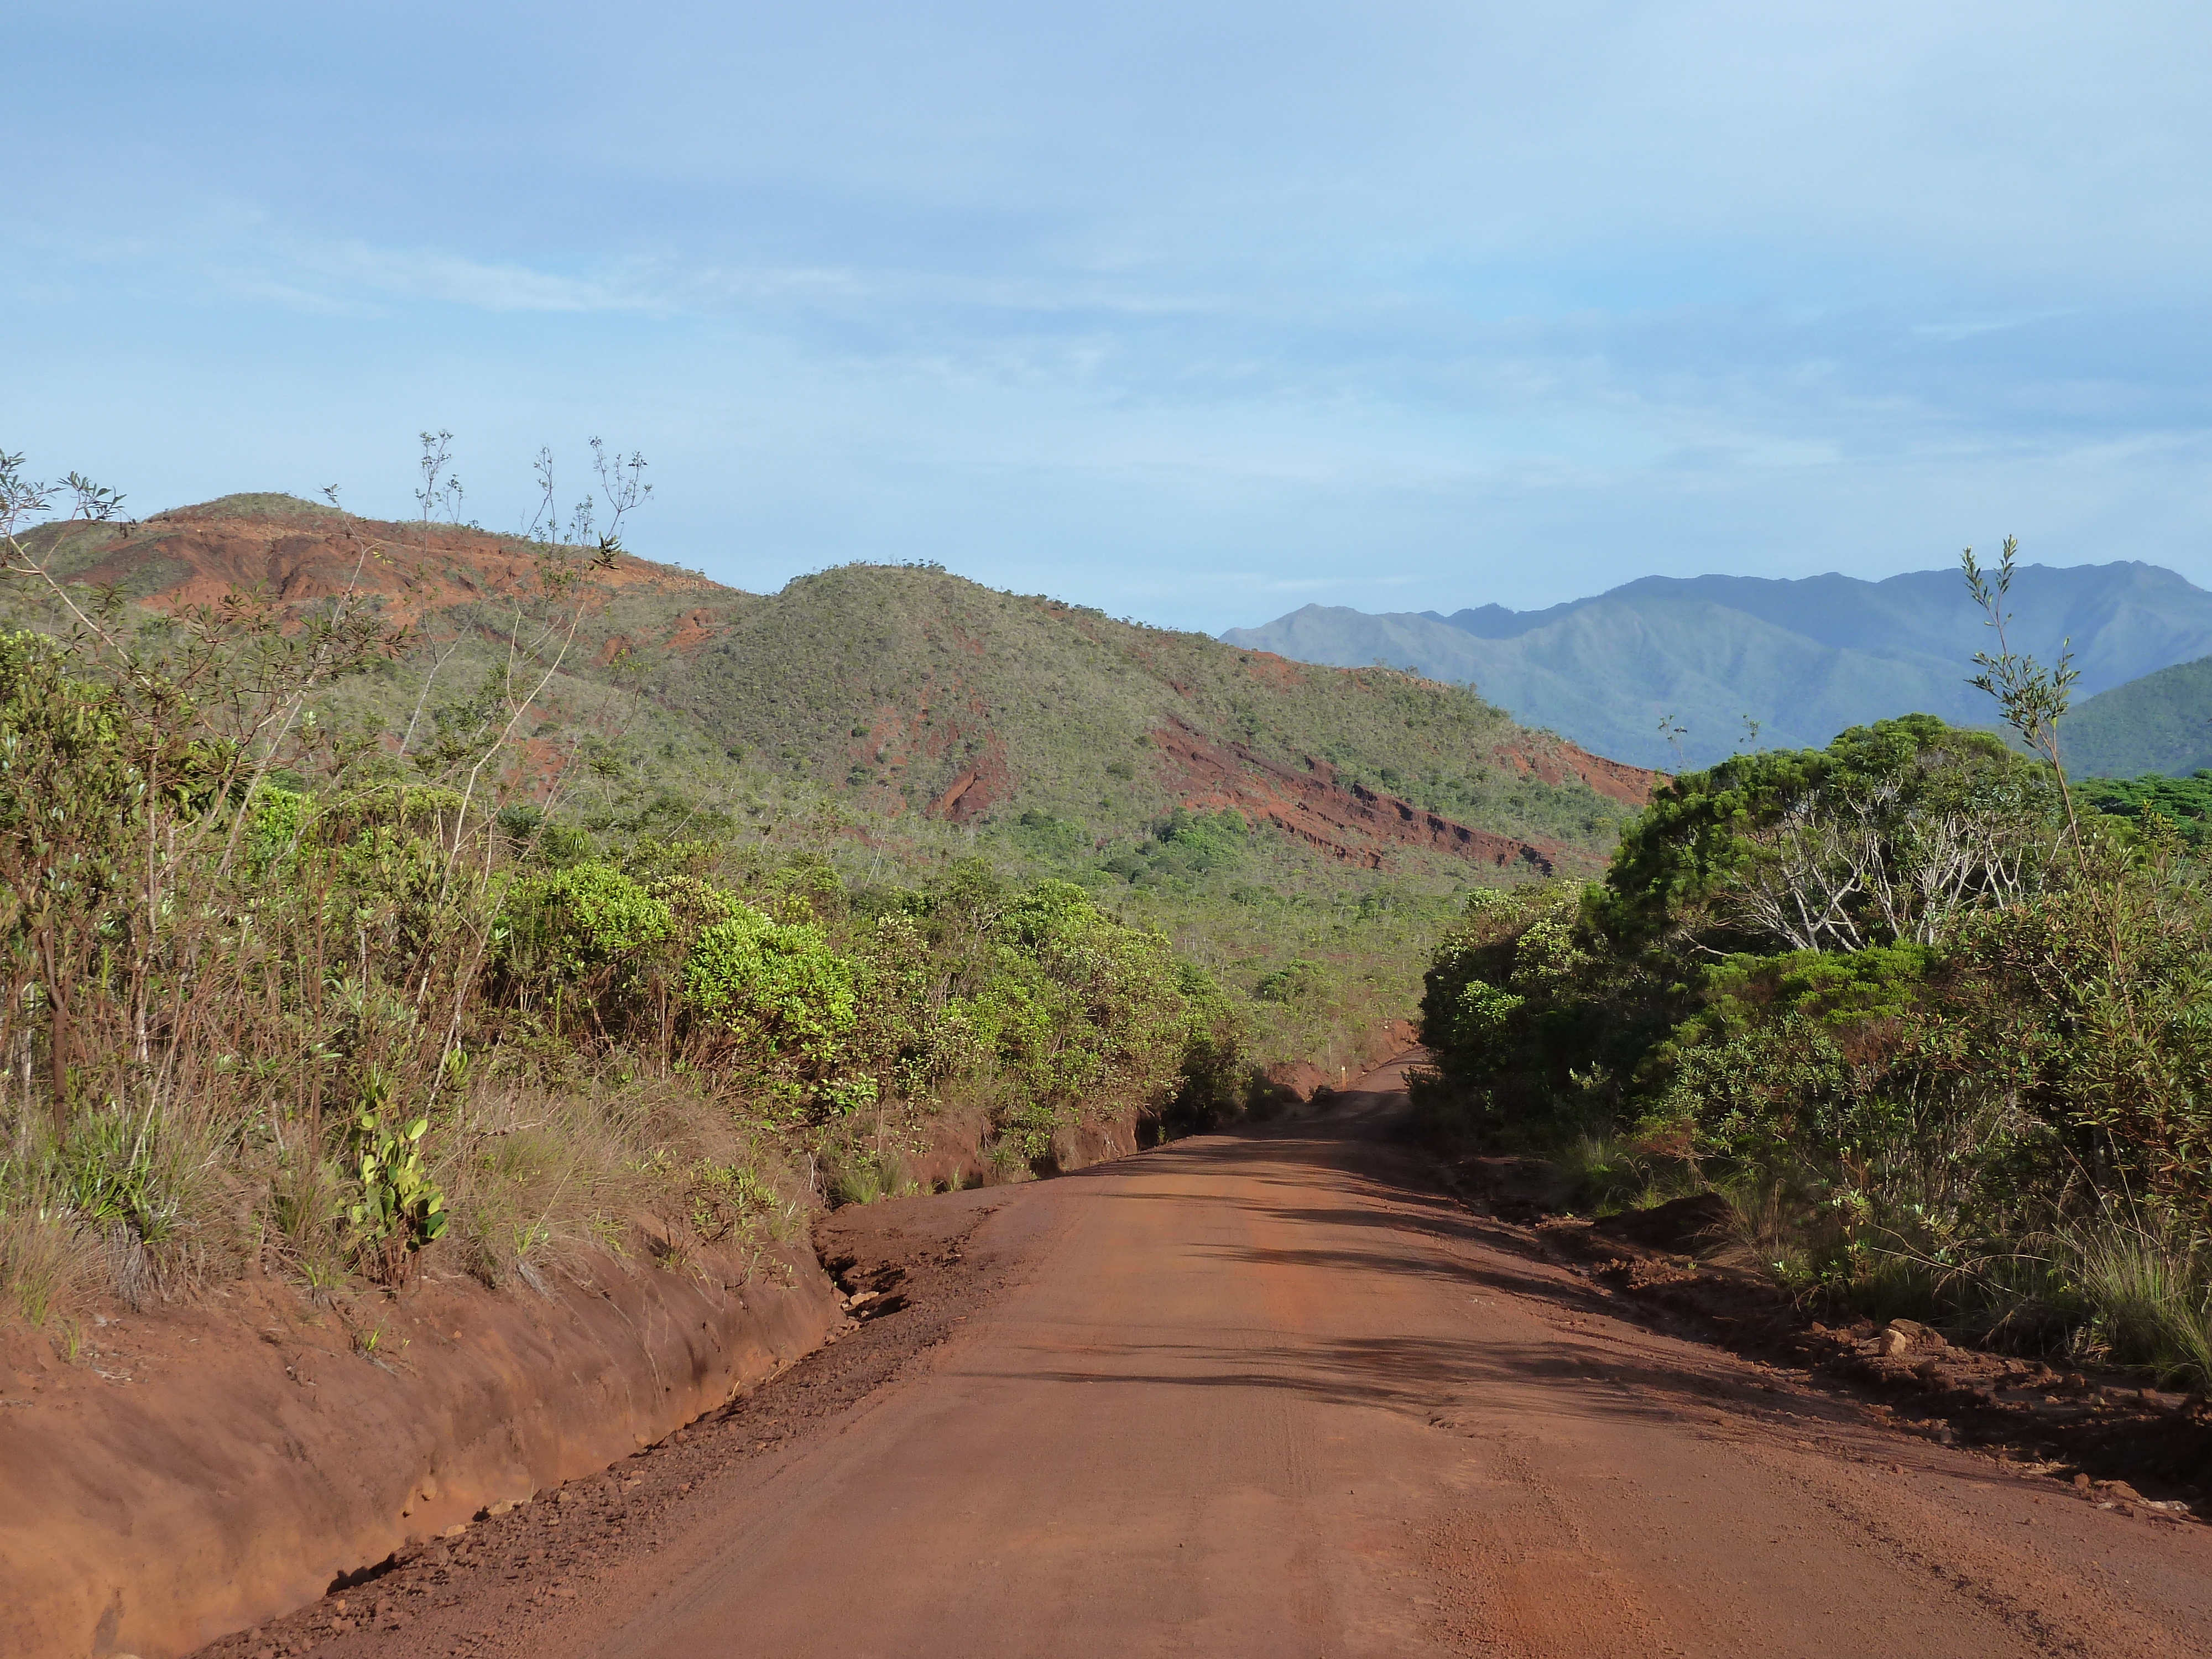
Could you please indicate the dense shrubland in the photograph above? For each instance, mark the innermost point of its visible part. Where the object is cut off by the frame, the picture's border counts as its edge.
(2186, 802)
(1077, 697)
(1946, 1044)
(286, 992)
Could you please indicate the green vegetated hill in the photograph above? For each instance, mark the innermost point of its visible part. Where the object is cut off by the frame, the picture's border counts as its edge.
(371, 890)
(2160, 723)
(918, 691)
(1294, 830)
(1804, 659)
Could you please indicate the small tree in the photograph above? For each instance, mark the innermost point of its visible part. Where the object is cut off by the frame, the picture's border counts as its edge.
(2033, 698)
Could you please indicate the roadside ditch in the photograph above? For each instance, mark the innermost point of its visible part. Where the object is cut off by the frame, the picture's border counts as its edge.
(2144, 1451)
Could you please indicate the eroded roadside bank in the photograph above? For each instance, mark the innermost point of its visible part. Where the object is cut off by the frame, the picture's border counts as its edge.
(171, 1478)
(178, 1476)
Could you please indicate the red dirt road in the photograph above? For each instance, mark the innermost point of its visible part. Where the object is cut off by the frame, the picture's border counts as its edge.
(1269, 1394)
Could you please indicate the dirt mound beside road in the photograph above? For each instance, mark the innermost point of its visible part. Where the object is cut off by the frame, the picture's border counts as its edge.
(200, 1470)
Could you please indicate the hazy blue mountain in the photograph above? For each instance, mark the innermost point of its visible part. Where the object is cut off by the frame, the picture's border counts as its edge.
(1804, 659)
(2160, 723)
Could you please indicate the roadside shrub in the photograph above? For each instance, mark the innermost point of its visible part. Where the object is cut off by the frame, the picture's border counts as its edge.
(1929, 1040)
(278, 983)
(776, 988)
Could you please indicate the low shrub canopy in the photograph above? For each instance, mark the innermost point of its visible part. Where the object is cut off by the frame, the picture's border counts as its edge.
(274, 990)
(1882, 978)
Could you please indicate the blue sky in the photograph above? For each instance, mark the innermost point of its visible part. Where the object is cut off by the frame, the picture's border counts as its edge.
(1195, 312)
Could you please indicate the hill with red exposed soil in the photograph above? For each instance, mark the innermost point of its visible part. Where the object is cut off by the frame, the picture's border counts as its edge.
(299, 554)
(913, 692)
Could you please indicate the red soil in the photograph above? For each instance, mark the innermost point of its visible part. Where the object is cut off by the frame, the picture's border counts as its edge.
(948, 717)
(1349, 822)
(1556, 760)
(1271, 1393)
(978, 789)
(1269, 669)
(195, 1470)
(193, 558)
(693, 631)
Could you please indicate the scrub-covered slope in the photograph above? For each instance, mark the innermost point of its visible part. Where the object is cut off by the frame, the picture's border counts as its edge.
(906, 690)
(2160, 723)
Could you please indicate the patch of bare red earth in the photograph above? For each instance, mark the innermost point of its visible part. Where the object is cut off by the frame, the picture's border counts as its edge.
(195, 557)
(1347, 821)
(1271, 1393)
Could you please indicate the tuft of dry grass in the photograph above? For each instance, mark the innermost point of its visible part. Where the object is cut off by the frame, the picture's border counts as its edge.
(538, 1182)
(47, 1266)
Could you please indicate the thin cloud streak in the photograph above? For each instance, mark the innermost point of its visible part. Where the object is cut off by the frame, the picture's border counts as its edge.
(1194, 306)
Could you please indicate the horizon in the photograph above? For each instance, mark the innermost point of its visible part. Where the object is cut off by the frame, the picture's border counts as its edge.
(1192, 314)
(1434, 612)
(1216, 634)
(1726, 575)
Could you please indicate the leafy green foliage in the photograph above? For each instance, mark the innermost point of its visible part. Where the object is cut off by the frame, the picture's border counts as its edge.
(1892, 832)
(1995, 1051)
(2186, 802)
(566, 922)
(778, 984)
(401, 1208)
(1288, 982)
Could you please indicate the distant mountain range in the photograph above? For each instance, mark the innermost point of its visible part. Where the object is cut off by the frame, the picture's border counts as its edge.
(1802, 658)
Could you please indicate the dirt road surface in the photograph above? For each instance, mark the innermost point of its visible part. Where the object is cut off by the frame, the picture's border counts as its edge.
(1270, 1393)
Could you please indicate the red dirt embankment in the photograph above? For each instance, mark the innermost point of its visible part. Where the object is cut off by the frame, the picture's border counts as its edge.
(1347, 821)
(193, 1472)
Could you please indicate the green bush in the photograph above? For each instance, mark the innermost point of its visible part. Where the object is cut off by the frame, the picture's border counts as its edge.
(778, 986)
(562, 924)
(1997, 1035)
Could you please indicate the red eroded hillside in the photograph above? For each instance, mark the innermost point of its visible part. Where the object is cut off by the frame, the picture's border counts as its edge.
(297, 554)
(1348, 822)
(910, 690)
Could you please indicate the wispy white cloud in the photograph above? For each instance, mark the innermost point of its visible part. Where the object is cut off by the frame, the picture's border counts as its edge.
(1225, 302)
